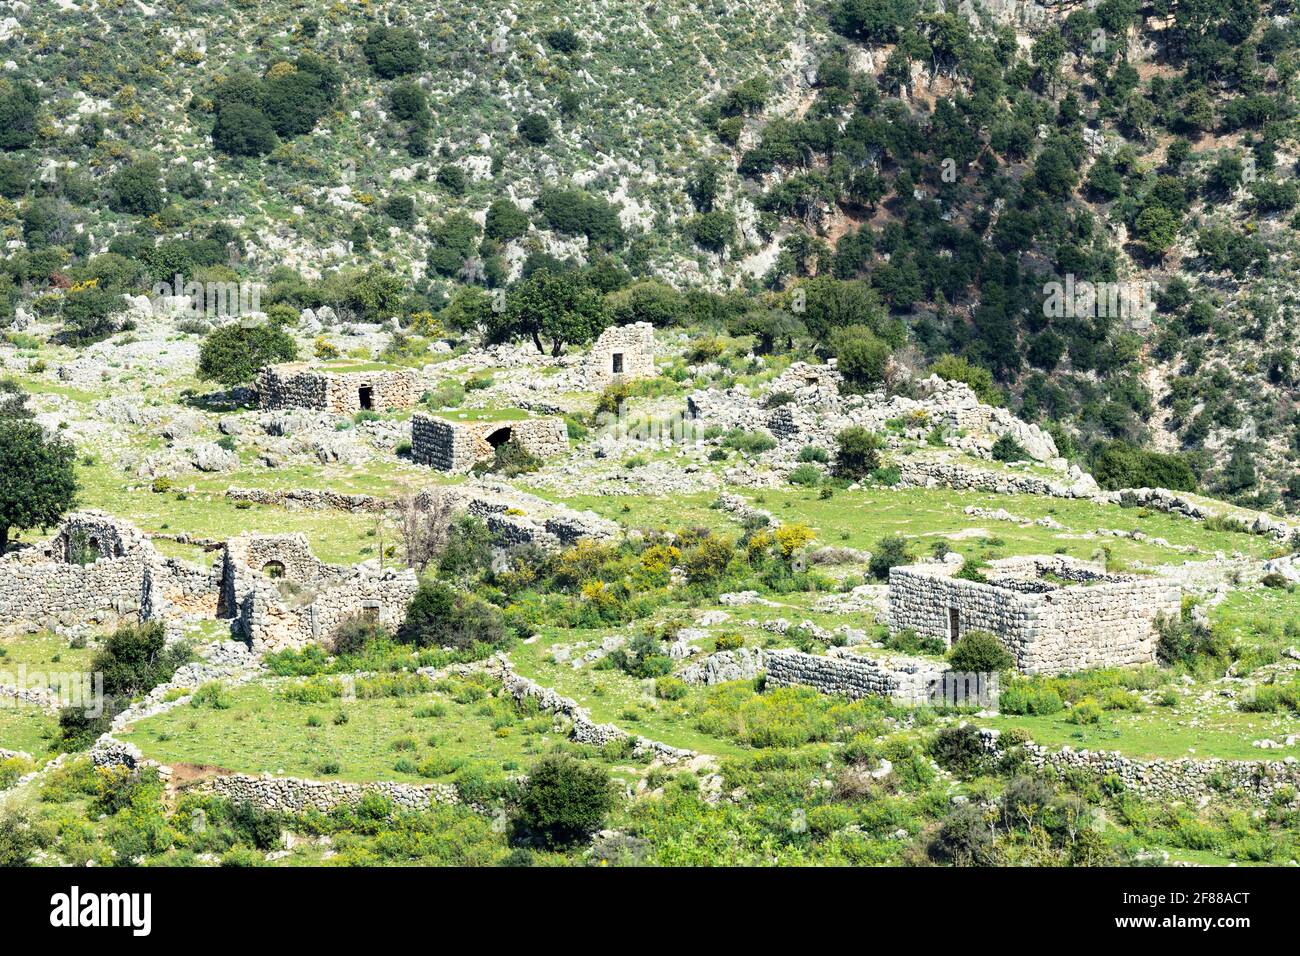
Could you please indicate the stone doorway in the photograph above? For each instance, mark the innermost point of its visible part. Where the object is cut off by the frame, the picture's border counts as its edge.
(499, 437)
(617, 359)
(954, 625)
(366, 397)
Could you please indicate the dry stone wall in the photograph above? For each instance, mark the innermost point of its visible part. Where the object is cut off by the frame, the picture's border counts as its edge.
(1049, 628)
(297, 385)
(903, 679)
(621, 352)
(295, 795)
(459, 446)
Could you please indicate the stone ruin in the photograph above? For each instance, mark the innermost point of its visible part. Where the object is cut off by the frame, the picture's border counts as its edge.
(301, 385)
(460, 446)
(1054, 613)
(98, 570)
(622, 352)
(805, 405)
(282, 597)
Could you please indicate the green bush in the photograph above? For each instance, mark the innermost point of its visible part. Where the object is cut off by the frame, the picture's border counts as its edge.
(857, 453)
(889, 552)
(563, 801)
(235, 353)
(1006, 448)
(392, 51)
(980, 652)
(440, 616)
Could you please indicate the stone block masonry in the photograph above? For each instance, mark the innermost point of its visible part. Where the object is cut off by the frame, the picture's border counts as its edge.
(622, 352)
(294, 795)
(459, 446)
(300, 385)
(902, 679)
(1054, 614)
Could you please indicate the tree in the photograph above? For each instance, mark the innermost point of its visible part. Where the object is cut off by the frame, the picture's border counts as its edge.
(560, 307)
(135, 659)
(888, 553)
(13, 400)
(1157, 228)
(408, 102)
(702, 187)
(18, 104)
(712, 230)
(88, 315)
(136, 189)
(860, 357)
(831, 303)
(564, 800)
(243, 130)
(392, 51)
(980, 652)
(441, 616)
(534, 128)
(505, 221)
(38, 483)
(235, 353)
(857, 453)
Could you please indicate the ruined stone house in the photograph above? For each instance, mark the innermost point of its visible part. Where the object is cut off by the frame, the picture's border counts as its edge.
(622, 352)
(338, 390)
(459, 446)
(282, 597)
(1055, 614)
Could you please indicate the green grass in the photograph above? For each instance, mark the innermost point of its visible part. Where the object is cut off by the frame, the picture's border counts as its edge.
(27, 728)
(860, 518)
(263, 732)
(1183, 731)
(41, 652)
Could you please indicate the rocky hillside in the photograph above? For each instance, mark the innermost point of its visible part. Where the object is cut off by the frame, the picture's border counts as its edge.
(971, 169)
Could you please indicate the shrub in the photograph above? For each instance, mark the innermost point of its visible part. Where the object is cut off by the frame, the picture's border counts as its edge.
(857, 453)
(889, 552)
(980, 652)
(243, 130)
(440, 616)
(17, 839)
(392, 51)
(1006, 448)
(1086, 711)
(1187, 642)
(534, 128)
(356, 633)
(670, 688)
(959, 749)
(806, 474)
(136, 189)
(861, 357)
(234, 353)
(563, 801)
(729, 641)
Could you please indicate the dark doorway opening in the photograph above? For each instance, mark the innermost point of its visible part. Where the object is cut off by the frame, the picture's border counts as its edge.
(954, 624)
(366, 396)
(499, 437)
(273, 569)
(618, 363)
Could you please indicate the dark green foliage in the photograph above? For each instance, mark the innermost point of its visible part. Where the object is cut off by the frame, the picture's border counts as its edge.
(534, 128)
(563, 801)
(13, 400)
(857, 453)
(875, 21)
(1006, 448)
(408, 102)
(861, 357)
(235, 353)
(1189, 643)
(88, 315)
(400, 209)
(980, 652)
(356, 633)
(712, 230)
(441, 616)
(958, 749)
(136, 189)
(889, 552)
(18, 106)
(136, 658)
(563, 40)
(243, 130)
(38, 483)
(575, 212)
(505, 221)
(559, 307)
(1122, 465)
(392, 51)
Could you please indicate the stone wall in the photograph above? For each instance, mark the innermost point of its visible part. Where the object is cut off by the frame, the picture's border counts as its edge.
(460, 446)
(299, 385)
(622, 352)
(295, 795)
(1050, 628)
(906, 680)
(1186, 778)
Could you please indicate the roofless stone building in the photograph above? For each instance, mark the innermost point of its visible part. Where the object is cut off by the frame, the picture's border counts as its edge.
(1054, 613)
(457, 446)
(341, 389)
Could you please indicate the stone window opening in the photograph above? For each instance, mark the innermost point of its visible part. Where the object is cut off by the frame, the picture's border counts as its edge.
(954, 625)
(273, 569)
(366, 397)
(617, 359)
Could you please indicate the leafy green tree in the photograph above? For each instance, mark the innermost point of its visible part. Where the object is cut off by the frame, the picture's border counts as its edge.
(889, 552)
(408, 102)
(392, 51)
(1157, 228)
(563, 801)
(135, 659)
(505, 221)
(875, 21)
(13, 400)
(713, 231)
(534, 128)
(38, 482)
(136, 189)
(857, 453)
(830, 304)
(235, 353)
(441, 616)
(243, 130)
(980, 652)
(18, 106)
(860, 356)
(88, 315)
(560, 307)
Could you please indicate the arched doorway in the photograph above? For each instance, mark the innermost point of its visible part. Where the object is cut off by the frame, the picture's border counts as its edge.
(273, 569)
